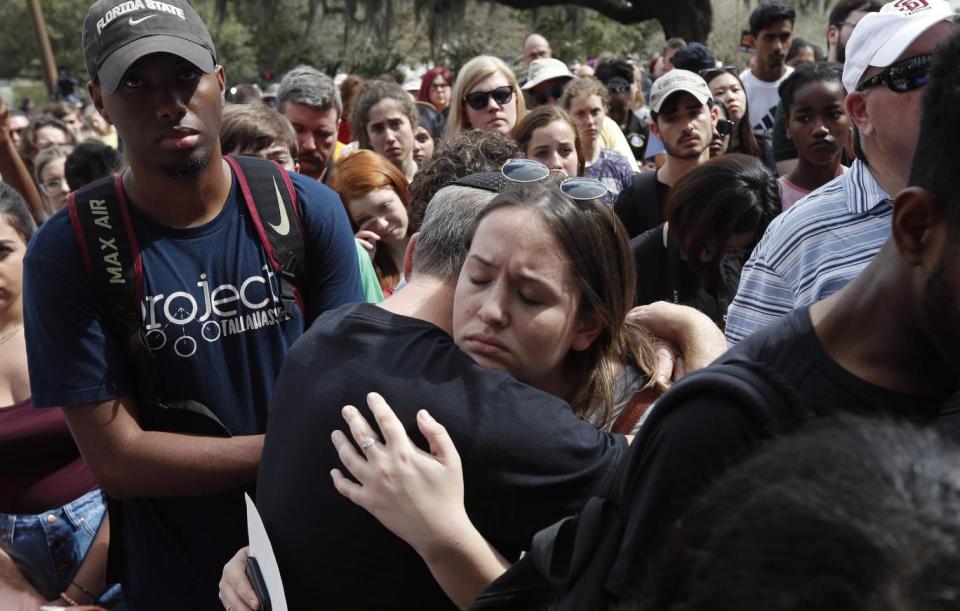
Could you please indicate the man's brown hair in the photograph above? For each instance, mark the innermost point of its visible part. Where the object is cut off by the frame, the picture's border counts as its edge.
(248, 128)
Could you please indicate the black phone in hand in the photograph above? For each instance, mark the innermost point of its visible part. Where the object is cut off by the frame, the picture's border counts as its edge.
(259, 585)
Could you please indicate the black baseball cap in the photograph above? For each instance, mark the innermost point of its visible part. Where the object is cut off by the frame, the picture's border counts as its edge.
(487, 181)
(117, 33)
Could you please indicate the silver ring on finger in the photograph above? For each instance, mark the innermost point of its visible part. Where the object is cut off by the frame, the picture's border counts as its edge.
(366, 443)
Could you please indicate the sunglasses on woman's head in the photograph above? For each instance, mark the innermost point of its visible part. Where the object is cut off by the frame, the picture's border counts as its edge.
(902, 76)
(576, 188)
(543, 97)
(478, 100)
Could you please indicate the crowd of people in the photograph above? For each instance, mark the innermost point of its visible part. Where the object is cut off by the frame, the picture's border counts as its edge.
(672, 334)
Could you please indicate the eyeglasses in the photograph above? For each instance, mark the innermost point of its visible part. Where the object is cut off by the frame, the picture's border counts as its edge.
(543, 97)
(439, 86)
(616, 88)
(576, 188)
(708, 74)
(903, 76)
(478, 100)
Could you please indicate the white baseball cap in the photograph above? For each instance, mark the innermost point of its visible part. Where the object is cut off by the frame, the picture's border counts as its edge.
(544, 69)
(676, 81)
(880, 38)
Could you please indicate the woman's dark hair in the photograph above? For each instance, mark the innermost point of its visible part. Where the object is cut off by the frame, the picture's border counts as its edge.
(855, 515)
(729, 194)
(799, 44)
(540, 117)
(742, 140)
(695, 57)
(430, 119)
(92, 160)
(597, 247)
(15, 212)
(805, 74)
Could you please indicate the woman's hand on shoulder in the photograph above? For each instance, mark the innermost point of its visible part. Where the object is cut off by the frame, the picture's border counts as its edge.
(416, 495)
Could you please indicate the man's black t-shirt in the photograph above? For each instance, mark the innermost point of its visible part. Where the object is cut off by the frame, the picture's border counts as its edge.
(689, 447)
(527, 460)
(641, 206)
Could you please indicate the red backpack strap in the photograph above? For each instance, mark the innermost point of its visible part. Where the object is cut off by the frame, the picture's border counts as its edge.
(276, 216)
(634, 411)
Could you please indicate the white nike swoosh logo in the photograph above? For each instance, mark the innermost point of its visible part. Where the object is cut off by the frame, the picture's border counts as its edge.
(141, 20)
(284, 227)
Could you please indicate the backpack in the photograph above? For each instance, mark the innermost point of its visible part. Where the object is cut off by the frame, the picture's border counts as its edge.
(100, 217)
(569, 562)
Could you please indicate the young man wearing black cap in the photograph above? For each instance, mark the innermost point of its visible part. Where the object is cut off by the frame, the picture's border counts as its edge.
(684, 118)
(208, 306)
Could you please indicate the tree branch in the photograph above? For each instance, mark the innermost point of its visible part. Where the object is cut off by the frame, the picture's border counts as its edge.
(623, 12)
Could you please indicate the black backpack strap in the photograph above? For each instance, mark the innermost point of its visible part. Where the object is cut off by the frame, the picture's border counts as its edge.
(272, 203)
(108, 246)
(565, 568)
(100, 217)
(769, 399)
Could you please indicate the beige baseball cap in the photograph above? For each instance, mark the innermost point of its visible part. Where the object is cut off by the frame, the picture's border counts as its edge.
(677, 81)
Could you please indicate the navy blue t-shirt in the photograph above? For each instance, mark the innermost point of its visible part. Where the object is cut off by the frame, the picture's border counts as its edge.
(208, 305)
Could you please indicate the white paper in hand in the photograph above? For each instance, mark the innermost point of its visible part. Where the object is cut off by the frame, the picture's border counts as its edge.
(261, 549)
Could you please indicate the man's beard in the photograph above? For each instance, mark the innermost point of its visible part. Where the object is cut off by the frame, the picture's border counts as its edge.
(684, 153)
(841, 52)
(312, 165)
(188, 168)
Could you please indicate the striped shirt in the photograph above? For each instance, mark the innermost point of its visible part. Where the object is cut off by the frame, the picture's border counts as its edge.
(811, 251)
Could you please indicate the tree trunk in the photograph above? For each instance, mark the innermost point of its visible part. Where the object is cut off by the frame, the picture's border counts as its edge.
(691, 20)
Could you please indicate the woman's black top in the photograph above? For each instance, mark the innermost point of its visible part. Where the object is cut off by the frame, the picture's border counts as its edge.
(663, 275)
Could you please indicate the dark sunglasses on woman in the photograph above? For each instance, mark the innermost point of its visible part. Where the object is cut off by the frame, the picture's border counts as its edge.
(478, 100)
(577, 188)
(902, 76)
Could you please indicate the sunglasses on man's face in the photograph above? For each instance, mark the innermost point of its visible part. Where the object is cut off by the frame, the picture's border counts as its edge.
(543, 97)
(577, 188)
(903, 76)
(478, 100)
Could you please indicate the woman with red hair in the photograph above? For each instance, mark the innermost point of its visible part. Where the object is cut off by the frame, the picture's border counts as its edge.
(435, 87)
(377, 200)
